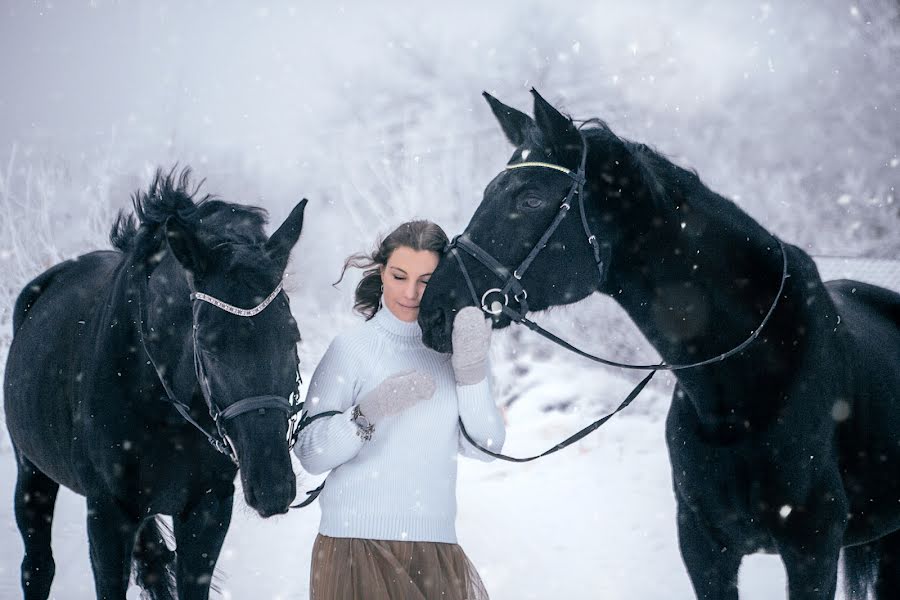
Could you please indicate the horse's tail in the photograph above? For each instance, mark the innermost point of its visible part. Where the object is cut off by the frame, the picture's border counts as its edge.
(860, 570)
(153, 561)
(873, 568)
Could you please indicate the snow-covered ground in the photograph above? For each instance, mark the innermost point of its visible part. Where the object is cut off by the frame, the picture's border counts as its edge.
(593, 521)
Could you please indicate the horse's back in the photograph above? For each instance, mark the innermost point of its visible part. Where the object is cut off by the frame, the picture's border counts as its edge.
(870, 324)
(870, 456)
(879, 299)
(51, 321)
(871, 316)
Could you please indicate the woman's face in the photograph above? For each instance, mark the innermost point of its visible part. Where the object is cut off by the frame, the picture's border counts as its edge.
(404, 278)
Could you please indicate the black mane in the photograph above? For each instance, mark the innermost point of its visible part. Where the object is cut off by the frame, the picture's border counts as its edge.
(173, 195)
(669, 185)
(666, 182)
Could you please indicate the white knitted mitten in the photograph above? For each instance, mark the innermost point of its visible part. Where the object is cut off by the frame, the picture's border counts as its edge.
(395, 394)
(471, 339)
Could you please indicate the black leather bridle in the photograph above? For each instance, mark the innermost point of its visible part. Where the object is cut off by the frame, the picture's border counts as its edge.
(602, 253)
(495, 301)
(513, 280)
(219, 438)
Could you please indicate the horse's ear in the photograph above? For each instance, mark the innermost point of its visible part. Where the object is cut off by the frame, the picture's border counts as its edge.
(282, 241)
(558, 130)
(189, 251)
(514, 123)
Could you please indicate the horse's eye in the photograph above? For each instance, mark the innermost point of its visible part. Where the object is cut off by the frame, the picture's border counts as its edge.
(532, 202)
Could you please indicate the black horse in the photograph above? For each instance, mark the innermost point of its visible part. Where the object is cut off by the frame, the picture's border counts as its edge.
(788, 445)
(134, 381)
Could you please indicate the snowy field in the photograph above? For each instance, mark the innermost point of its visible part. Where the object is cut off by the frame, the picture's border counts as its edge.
(594, 521)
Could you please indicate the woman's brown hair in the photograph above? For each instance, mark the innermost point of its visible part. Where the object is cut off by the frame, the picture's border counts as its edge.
(417, 235)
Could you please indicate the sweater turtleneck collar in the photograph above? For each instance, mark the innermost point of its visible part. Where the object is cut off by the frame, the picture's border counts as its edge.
(390, 323)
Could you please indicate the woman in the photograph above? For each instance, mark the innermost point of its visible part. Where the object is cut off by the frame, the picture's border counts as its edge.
(389, 504)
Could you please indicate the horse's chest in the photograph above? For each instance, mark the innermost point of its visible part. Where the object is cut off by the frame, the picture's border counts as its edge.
(164, 474)
(743, 484)
(732, 498)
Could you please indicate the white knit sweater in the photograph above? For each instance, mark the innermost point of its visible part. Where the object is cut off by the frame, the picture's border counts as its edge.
(401, 484)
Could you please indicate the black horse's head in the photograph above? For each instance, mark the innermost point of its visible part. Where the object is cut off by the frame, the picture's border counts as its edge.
(518, 208)
(213, 262)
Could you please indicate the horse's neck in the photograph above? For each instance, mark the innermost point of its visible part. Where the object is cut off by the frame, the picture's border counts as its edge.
(124, 337)
(695, 280)
(171, 345)
(696, 295)
(115, 353)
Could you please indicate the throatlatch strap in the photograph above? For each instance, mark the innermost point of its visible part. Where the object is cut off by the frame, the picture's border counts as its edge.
(256, 402)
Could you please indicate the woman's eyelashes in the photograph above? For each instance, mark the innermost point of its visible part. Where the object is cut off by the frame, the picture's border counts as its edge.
(399, 278)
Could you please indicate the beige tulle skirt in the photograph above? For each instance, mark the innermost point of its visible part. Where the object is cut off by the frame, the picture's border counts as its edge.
(352, 568)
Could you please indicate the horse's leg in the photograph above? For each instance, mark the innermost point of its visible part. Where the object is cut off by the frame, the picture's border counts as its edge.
(809, 542)
(712, 566)
(199, 534)
(811, 569)
(35, 499)
(111, 535)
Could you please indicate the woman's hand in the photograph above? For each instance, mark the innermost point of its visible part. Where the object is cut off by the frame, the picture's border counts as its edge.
(395, 394)
(471, 339)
